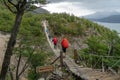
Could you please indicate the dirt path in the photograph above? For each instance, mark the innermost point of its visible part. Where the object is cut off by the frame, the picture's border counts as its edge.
(3, 41)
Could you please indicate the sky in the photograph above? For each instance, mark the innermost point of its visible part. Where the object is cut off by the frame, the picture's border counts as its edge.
(82, 7)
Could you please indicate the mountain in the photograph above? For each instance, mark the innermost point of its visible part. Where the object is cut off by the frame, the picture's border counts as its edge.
(101, 14)
(40, 10)
(110, 19)
(105, 16)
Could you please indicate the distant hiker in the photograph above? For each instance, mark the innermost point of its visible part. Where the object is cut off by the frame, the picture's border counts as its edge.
(64, 44)
(47, 31)
(55, 42)
(49, 35)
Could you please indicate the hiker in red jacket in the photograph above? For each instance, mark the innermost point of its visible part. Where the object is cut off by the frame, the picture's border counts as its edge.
(55, 42)
(64, 44)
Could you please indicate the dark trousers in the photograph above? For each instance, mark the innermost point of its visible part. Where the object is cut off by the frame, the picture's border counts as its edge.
(64, 49)
(55, 46)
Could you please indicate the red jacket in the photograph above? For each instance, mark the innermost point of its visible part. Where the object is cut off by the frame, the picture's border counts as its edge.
(64, 43)
(55, 40)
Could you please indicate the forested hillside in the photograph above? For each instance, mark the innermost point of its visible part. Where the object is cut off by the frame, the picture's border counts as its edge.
(89, 38)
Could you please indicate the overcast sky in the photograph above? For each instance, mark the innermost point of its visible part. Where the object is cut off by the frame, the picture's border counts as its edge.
(82, 7)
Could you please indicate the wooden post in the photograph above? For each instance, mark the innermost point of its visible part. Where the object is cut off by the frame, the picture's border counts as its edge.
(103, 69)
(119, 71)
(61, 59)
(55, 60)
(45, 76)
(75, 55)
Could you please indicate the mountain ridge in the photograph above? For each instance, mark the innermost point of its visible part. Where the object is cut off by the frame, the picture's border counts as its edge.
(109, 19)
(105, 16)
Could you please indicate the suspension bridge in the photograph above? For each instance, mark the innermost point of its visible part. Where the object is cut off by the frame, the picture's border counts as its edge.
(81, 72)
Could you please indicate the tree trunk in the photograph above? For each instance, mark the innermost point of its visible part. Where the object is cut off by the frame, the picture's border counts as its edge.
(10, 45)
(17, 70)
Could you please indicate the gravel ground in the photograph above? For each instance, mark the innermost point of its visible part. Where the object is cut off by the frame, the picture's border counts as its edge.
(3, 41)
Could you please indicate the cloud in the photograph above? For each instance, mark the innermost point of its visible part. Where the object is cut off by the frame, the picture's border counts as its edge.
(101, 4)
(74, 8)
(82, 7)
(96, 4)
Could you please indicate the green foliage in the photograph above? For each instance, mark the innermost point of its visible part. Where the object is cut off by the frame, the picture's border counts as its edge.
(101, 46)
(32, 75)
(95, 61)
(34, 57)
(38, 59)
(101, 41)
(18, 9)
(64, 24)
(6, 20)
(96, 46)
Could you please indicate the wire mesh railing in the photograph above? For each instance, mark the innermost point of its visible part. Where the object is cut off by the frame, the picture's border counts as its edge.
(100, 62)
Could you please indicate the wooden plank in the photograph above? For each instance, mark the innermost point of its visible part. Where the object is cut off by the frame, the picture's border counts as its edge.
(41, 69)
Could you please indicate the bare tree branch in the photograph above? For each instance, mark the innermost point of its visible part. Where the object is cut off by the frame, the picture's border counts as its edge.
(10, 1)
(17, 70)
(26, 65)
(9, 7)
(23, 5)
(24, 68)
(18, 5)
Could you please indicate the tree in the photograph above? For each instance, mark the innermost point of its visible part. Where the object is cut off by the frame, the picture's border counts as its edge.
(17, 7)
(36, 60)
(22, 52)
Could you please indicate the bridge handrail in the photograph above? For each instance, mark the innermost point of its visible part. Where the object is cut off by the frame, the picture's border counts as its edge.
(105, 56)
(101, 56)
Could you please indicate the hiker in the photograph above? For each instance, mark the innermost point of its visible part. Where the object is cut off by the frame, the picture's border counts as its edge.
(49, 35)
(55, 42)
(64, 44)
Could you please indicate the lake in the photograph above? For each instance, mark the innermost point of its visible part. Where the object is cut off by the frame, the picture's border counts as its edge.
(112, 26)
